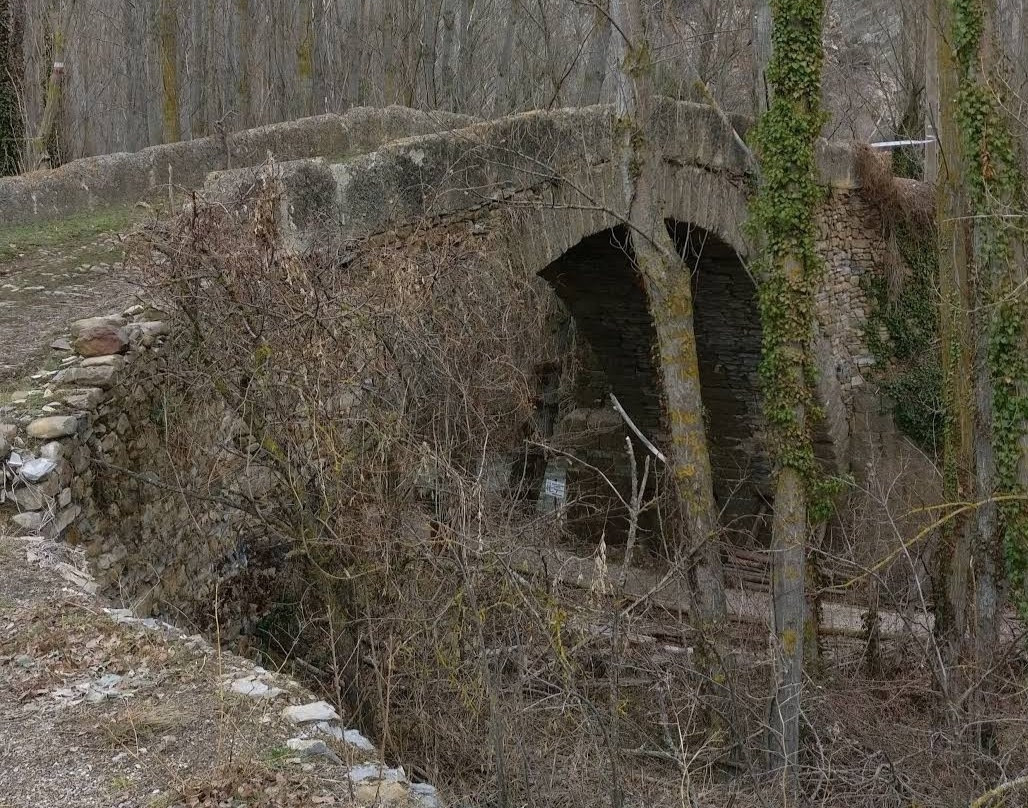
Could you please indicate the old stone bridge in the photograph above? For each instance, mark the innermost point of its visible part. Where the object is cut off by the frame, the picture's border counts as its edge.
(556, 174)
(553, 173)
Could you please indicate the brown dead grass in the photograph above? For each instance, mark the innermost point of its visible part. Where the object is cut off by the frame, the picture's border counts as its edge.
(898, 198)
(138, 723)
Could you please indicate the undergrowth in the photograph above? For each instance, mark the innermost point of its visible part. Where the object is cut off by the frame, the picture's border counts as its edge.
(381, 393)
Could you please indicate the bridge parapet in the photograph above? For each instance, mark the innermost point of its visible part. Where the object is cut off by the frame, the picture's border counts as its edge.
(487, 163)
(125, 178)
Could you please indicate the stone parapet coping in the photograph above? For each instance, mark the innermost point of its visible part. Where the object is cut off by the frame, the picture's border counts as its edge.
(125, 178)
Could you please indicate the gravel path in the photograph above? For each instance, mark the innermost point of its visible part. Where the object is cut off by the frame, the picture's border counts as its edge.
(45, 289)
(102, 710)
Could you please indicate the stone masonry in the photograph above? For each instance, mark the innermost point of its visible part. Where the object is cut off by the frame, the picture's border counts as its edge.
(551, 176)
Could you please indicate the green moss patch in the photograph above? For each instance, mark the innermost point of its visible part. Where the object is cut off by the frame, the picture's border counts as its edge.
(71, 231)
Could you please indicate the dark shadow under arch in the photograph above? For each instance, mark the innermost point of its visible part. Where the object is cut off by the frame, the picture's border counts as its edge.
(597, 282)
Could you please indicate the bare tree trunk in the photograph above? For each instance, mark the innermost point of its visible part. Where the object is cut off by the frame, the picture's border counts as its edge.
(447, 74)
(305, 59)
(596, 69)
(168, 36)
(45, 144)
(362, 34)
(135, 92)
(197, 69)
(429, 33)
(466, 59)
(386, 25)
(324, 77)
(668, 285)
(504, 96)
(986, 550)
(931, 154)
(789, 605)
(276, 102)
(244, 88)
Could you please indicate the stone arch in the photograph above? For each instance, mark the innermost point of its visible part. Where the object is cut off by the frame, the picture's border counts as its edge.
(588, 202)
(598, 284)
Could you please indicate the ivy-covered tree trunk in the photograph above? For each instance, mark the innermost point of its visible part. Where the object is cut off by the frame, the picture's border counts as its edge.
(997, 307)
(12, 69)
(989, 271)
(668, 286)
(784, 213)
(953, 226)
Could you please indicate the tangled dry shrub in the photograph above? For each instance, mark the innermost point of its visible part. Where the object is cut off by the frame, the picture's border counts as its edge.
(377, 398)
(900, 199)
(381, 397)
(906, 208)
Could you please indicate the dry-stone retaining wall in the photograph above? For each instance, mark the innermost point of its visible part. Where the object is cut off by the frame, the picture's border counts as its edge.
(79, 406)
(76, 449)
(111, 451)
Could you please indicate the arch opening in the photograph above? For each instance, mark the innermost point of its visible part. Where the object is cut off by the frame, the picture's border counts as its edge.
(615, 352)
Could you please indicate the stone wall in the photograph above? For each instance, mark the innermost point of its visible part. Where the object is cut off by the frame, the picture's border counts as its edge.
(123, 179)
(90, 456)
(103, 418)
(80, 407)
(851, 240)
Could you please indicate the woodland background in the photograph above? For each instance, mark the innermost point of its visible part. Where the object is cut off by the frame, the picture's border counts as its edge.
(140, 72)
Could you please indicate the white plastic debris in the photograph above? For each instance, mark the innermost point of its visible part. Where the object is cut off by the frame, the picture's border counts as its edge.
(38, 469)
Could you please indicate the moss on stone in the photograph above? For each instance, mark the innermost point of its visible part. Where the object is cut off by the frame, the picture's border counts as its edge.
(67, 232)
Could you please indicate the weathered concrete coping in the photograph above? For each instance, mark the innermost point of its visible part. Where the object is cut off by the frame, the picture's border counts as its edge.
(125, 178)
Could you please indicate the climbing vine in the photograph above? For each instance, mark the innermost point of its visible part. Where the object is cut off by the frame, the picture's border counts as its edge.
(901, 334)
(783, 215)
(996, 191)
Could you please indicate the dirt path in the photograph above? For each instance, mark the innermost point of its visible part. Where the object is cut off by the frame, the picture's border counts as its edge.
(100, 709)
(43, 289)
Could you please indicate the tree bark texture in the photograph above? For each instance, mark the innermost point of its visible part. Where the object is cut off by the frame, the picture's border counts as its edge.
(46, 144)
(171, 108)
(953, 223)
(668, 284)
(12, 68)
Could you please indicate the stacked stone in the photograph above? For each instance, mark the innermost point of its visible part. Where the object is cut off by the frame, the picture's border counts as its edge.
(48, 436)
(81, 461)
(851, 245)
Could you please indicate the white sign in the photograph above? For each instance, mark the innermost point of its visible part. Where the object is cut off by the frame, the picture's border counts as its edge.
(554, 488)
